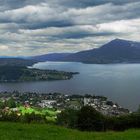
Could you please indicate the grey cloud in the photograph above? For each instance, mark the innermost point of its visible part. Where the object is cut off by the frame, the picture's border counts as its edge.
(15, 4)
(30, 26)
(81, 34)
(44, 15)
(87, 3)
(57, 23)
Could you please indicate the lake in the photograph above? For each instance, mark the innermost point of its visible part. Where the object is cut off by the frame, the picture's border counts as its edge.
(118, 82)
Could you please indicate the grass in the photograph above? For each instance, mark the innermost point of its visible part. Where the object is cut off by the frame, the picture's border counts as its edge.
(49, 113)
(19, 131)
(30, 110)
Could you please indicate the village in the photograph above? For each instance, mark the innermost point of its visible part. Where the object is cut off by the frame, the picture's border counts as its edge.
(58, 102)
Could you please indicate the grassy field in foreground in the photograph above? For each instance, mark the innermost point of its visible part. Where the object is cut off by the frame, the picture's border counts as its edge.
(18, 131)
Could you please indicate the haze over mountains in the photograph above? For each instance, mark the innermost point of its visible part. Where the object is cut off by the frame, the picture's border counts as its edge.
(116, 51)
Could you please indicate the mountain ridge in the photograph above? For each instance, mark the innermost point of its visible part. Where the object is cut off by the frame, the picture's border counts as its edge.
(115, 51)
(50, 57)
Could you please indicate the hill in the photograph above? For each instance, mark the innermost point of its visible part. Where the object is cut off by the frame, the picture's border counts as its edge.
(20, 74)
(116, 51)
(51, 57)
(19, 131)
(16, 62)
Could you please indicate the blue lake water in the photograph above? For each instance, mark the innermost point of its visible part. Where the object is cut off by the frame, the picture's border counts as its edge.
(118, 82)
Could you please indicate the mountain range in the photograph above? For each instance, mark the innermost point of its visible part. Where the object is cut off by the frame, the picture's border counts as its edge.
(115, 51)
(51, 57)
(5, 61)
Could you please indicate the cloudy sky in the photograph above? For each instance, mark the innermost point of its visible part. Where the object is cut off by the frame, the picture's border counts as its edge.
(32, 27)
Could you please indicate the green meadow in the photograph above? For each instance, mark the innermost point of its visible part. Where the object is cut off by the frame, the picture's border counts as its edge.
(49, 113)
(19, 131)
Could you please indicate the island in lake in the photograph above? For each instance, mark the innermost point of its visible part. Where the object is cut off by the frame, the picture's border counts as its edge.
(22, 73)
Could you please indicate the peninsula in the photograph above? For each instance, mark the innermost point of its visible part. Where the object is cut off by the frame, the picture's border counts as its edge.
(21, 74)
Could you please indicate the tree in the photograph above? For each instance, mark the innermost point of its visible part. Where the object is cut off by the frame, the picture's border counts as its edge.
(11, 103)
(33, 118)
(2, 105)
(89, 119)
(138, 109)
(68, 118)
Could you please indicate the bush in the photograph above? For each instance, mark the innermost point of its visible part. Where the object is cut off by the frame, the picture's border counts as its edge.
(68, 118)
(33, 118)
(122, 123)
(12, 116)
(89, 119)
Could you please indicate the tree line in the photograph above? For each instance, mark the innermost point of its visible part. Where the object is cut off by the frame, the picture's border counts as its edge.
(88, 119)
(85, 119)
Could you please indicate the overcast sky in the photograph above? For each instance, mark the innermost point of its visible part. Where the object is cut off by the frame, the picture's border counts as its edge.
(32, 27)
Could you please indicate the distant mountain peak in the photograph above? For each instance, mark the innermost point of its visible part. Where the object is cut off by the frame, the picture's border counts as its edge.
(115, 51)
(121, 43)
(124, 41)
(120, 40)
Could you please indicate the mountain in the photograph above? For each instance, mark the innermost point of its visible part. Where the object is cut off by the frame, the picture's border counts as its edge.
(18, 57)
(51, 57)
(16, 62)
(116, 51)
